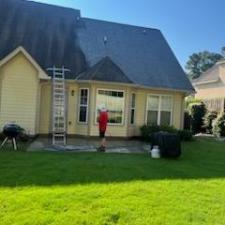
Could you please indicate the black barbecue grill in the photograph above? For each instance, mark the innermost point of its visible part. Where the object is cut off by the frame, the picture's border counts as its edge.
(11, 131)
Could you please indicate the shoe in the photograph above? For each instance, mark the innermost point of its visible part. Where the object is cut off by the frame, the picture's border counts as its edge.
(101, 149)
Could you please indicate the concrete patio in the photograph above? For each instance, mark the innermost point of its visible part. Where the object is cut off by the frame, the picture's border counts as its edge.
(90, 145)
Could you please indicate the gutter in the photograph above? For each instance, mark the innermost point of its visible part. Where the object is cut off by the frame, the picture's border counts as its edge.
(186, 92)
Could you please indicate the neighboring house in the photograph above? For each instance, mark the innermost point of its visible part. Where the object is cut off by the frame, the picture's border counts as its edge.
(130, 69)
(210, 87)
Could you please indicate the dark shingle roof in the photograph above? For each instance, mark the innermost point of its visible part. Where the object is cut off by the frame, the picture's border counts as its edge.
(142, 53)
(105, 70)
(47, 32)
(55, 36)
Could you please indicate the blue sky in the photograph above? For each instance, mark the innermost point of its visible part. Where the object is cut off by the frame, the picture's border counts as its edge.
(188, 25)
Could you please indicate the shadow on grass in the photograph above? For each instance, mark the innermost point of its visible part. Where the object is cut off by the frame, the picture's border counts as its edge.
(201, 159)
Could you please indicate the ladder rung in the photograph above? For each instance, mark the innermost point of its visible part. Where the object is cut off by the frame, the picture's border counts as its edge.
(59, 89)
(59, 135)
(58, 79)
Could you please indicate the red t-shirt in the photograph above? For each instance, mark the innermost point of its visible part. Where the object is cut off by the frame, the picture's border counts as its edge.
(103, 120)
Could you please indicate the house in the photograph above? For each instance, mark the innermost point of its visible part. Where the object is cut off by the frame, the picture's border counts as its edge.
(210, 87)
(130, 69)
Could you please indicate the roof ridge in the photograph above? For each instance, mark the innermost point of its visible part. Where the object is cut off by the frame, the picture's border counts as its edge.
(100, 62)
(119, 69)
(49, 5)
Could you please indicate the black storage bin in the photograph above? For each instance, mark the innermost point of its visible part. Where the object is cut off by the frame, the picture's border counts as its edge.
(169, 144)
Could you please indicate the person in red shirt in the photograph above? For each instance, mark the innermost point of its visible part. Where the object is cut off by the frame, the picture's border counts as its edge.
(102, 121)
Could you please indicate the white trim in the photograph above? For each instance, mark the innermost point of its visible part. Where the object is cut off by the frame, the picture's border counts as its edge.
(79, 105)
(42, 74)
(159, 108)
(206, 82)
(96, 110)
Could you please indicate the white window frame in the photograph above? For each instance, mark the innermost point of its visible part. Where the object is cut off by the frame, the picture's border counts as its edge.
(159, 108)
(133, 108)
(96, 108)
(82, 105)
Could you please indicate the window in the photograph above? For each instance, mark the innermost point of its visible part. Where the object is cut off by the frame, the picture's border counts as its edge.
(159, 110)
(114, 102)
(83, 105)
(132, 115)
(152, 111)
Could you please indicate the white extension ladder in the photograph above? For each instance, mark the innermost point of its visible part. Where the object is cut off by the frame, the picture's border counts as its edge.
(58, 106)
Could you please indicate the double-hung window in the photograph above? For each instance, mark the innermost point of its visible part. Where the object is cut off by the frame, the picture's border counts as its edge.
(83, 105)
(132, 112)
(113, 100)
(159, 110)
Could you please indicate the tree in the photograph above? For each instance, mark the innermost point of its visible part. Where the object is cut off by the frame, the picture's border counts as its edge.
(200, 62)
(223, 51)
(197, 113)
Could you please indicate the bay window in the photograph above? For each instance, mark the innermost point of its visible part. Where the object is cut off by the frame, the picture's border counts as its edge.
(114, 102)
(159, 110)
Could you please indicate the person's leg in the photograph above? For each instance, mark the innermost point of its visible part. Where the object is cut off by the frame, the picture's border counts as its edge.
(103, 143)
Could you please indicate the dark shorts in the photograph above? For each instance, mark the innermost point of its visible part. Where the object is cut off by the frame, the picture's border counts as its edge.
(101, 134)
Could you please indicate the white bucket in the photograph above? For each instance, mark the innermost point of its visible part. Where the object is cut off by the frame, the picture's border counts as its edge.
(155, 153)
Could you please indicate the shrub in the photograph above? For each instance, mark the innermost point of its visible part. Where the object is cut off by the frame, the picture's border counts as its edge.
(185, 135)
(197, 112)
(208, 121)
(187, 120)
(219, 126)
(148, 130)
(2, 136)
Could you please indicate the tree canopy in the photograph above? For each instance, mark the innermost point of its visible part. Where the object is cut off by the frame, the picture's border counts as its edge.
(200, 62)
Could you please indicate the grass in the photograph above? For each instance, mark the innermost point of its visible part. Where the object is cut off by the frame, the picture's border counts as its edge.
(43, 188)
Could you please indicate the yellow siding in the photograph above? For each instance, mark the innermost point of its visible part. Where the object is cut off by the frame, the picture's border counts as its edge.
(26, 100)
(73, 125)
(19, 93)
(45, 108)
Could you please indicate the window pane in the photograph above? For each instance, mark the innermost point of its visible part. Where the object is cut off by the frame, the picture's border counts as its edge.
(165, 118)
(83, 100)
(152, 117)
(153, 103)
(115, 117)
(166, 103)
(84, 92)
(83, 114)
(114, 102)
(83, 96)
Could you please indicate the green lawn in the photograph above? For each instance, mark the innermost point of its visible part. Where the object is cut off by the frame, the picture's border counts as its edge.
(93, 188)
